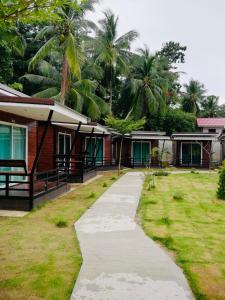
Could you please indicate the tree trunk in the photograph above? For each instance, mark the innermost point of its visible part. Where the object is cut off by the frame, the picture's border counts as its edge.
(111, 90)
(120, 156)
(64, 81)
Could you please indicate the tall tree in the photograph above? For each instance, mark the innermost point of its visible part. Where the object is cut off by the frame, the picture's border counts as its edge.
(148, 86)
(63, 36)
(81, 95)
(123, 127)
(174, 52)
(111, 51)
(210, 106)
(193, 96)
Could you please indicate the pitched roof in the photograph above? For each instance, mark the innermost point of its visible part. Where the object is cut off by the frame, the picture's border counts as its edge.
(7, 91)
(211, 122)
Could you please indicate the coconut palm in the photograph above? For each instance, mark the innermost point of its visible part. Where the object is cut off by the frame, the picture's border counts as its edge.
(193, 96)
(63, 36)
(210, 106)
(148, 87)
(81, 95)
(111, 51)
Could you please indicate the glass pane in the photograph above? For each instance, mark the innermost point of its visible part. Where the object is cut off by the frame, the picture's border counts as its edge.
(19, 148)
(90, 149)
(99, 151)
(61, 144)
(67, 146)
(196, 154)
(137, 152)
(145, 153)
(5, 146)
(186, 154)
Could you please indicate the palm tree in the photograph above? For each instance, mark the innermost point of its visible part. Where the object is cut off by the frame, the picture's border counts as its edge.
(210, 106)
(193, 96)
(63, 36)
(111, 51)
(148, 87)
(81, 95)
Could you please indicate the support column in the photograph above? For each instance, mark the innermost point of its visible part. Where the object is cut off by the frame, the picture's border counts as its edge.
(38, 154)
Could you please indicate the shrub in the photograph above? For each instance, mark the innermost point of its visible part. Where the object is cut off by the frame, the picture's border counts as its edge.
(92, 195)
(165, 164)
(161, 173)
(60, 222)
(113, 178)
(105, 184)
(221, 185)
(178, 196)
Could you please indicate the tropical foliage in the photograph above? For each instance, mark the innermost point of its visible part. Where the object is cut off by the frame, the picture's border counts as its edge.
(50, 50)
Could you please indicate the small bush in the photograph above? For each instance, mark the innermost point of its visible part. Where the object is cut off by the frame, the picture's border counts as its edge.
(113, 178)
(60, 222)
(165, 164)
(178, 196)
(92, 195)
(105, 184)
(161, 173)
(221, 185)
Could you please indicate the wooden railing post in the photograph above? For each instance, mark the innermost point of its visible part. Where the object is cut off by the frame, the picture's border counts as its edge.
(7, 185)
(31, 187)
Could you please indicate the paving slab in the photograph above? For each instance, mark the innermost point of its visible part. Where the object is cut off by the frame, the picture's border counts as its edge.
(13, 213)
(119, 261)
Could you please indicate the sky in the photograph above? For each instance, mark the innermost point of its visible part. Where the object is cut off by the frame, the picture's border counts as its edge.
(197, 24)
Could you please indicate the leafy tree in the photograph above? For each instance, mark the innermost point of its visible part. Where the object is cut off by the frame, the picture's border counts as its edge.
(112, 52)
(28, 10)
(123, 126)
(148, 86)
(63, 36)
(81, 95)
(175, 120)
(210, 106)
(221, 184)
(174, 52)
(221, 111)
(193, 96)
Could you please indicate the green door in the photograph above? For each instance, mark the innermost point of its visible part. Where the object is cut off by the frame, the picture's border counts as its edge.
(137, 153)
(141, 153)
(95, 150)
(191, 154)
(99, 151)
(145, 153)
(196, 154)
(186, 154)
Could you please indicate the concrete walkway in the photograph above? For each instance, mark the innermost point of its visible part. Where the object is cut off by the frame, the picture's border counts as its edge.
(120, 261)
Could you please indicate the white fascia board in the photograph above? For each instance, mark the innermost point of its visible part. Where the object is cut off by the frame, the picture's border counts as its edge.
(26, 105)
(70, 113)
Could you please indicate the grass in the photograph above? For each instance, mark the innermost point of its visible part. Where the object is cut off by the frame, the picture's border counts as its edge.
(39, 254)
(192, 226)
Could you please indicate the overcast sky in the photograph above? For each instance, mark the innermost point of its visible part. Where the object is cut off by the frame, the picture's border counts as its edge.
(197, 24)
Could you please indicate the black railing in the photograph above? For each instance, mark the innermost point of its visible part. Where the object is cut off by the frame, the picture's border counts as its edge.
(189, 163)
(20, 185)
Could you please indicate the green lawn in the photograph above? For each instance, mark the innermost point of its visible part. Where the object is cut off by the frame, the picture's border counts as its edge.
(39, 260)
(192, 227)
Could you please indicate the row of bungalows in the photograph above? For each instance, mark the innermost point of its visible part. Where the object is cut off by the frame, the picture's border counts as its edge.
(45, 145)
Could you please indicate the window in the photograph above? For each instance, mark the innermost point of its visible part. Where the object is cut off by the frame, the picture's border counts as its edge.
(12, 146)
(64, 143)
(212, 130)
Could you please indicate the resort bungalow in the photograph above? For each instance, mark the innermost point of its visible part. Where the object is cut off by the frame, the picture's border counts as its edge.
(43, 145)
(143, 149)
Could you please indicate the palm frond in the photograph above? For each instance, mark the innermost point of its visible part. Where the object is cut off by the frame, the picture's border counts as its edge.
(43, 52)
(48, 93)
